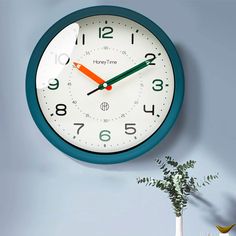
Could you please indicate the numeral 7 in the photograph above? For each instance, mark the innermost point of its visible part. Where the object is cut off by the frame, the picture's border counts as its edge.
(81, 125)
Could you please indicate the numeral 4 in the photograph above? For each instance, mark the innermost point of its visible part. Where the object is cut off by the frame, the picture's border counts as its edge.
(152, 110)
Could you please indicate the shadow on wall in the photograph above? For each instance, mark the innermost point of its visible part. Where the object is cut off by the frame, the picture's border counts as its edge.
(211, 211)
(186, 132)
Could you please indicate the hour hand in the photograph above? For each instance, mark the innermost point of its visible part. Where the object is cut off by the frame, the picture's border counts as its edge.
(90, 74)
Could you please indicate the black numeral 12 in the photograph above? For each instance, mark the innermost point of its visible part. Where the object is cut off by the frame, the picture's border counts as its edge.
(105, 32)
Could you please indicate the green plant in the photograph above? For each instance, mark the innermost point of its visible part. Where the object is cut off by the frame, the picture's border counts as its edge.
(177, 183)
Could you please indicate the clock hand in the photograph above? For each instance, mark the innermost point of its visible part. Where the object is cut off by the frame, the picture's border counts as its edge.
(90, 74)
(122, 75)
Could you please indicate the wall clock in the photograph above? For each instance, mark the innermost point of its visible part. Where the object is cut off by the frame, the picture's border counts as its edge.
(104, 84)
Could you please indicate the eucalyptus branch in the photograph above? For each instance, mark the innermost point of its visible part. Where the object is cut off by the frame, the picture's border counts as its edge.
(207, 180)
(176, 182)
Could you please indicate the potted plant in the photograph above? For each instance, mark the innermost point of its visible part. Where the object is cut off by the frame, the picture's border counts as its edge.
(177, 184)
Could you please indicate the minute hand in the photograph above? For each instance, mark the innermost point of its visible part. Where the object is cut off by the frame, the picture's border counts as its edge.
(122, 75)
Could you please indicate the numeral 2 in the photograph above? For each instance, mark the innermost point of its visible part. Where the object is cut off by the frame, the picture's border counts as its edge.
(151, 56)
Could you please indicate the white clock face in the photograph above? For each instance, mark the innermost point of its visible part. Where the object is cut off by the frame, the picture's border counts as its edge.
(89, 53)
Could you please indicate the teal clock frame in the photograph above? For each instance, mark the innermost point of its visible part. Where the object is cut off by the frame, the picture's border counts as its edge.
(70, 149)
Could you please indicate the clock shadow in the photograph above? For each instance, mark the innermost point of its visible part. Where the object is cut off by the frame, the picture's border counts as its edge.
(212, 213)
(184, 135)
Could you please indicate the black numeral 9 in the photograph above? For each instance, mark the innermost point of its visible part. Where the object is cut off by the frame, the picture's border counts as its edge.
(53, 84)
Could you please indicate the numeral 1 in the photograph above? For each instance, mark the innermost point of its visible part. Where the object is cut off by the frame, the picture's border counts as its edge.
(132, 38)
(83, 39)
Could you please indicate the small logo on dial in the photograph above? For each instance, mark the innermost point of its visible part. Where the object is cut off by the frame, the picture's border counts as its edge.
(104, 106)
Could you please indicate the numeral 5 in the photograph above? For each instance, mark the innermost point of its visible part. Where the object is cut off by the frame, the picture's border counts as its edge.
(129, 128)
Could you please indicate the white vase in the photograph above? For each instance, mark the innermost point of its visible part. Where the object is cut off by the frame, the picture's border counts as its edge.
(226, 234)
(179, 226)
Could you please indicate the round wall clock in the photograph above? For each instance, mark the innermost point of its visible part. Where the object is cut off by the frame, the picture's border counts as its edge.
(104, 84)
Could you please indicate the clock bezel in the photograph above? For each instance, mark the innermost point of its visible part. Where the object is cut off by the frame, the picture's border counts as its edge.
(70, 149)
